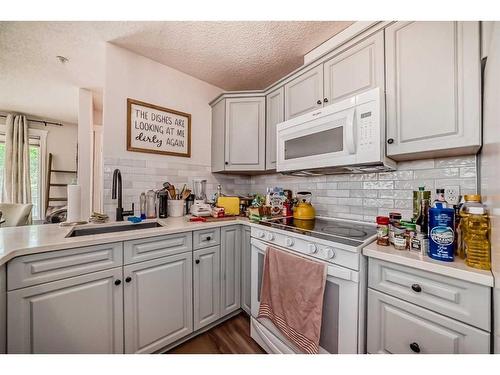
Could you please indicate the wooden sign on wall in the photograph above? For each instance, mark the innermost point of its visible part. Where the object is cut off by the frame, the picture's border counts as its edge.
(157, 130)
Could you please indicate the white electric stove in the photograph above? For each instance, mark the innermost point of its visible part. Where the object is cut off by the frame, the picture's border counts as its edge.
(338, 244)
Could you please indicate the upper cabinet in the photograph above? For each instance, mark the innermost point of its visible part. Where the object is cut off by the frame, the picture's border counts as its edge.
(353, 69)
(238, 134)
(357, 69)
(275, 112)
(433, 89)
(304, 93)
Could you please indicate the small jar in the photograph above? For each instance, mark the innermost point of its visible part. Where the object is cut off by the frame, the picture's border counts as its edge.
(394, 219)
(410, 232)
(383, 230)
(399, 237)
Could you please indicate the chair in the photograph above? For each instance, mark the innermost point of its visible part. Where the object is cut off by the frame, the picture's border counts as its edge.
(16, 214)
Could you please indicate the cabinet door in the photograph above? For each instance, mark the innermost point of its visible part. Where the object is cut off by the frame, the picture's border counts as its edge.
(246, 265)
(304, 93)
(158, 302)
(357, 69)
(230, 251)
(275, 113)
(82, 314)
(218, 121)
(399, 327)
(245, 136)
(206, 276)
(433, 89)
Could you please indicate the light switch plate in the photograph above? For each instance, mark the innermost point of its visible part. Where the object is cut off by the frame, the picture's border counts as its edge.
(452, 194)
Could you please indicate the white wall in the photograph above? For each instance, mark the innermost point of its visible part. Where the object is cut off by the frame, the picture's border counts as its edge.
(129, 75)
(85, 150)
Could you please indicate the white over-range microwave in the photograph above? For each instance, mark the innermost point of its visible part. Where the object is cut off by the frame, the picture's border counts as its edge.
(347, 136)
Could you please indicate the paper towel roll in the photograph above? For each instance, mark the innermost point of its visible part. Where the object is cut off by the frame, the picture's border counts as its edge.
(74, 204)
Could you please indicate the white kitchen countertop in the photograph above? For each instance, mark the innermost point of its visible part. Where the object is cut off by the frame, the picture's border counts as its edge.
(457, 269)
(33, 239)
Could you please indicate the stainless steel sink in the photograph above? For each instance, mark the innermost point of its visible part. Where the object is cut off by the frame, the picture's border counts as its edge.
(78, 232)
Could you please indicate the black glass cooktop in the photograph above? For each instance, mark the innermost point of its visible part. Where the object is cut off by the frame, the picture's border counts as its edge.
(346, 232)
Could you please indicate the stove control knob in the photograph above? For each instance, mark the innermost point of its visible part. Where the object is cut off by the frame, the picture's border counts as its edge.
(270, 237)
(312, 249)
(329, 253)
(261, 234)
(289, 242)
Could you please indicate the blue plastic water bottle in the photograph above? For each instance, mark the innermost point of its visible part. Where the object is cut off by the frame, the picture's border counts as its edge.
(442, 233)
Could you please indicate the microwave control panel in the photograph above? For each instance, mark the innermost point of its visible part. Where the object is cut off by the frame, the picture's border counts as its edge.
(368, 134)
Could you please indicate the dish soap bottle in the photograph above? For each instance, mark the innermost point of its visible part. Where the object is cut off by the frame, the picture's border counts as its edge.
(476, 227)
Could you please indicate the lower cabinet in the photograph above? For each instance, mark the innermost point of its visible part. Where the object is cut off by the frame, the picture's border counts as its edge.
(206, 288)
(246, 265)
(82, 314)
(399, 327)
(230, 250)
(158, 303)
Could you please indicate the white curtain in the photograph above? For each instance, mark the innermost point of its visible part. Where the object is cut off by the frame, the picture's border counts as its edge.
(17, 184)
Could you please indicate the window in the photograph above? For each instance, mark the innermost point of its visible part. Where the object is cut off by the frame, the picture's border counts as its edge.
(37, 141)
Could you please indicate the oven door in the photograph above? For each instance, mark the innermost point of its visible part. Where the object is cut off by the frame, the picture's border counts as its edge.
(339, 327)
(323, 138)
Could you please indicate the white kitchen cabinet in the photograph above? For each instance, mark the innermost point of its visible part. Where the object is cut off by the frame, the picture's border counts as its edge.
(398, 327)
(246, 265)
(354, 70)
(230, 250)
(206, 288)
(218, 139)
(3, 310)
(245, 134)
(304, 93)
(433, 89)
(275, 113)
(82, 314)
(158, 304)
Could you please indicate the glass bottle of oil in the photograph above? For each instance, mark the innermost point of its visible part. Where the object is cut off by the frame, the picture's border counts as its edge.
(476, 228)
(470, 200)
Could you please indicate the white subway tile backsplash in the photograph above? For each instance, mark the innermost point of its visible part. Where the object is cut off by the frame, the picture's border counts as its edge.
(349, 196)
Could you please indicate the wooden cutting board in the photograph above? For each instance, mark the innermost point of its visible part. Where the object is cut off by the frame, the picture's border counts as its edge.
(225, 218)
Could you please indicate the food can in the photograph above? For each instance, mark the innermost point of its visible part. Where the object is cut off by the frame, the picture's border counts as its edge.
(442, 233)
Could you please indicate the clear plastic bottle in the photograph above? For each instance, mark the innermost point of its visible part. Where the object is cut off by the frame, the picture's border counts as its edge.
(475, 232)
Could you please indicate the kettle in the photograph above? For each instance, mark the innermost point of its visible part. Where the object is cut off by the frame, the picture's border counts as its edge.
(304, 209)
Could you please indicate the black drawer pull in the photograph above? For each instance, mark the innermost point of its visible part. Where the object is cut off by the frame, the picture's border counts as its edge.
(128, 279)
(197, 261)
(319, 101)
(416, 288)
(208, 238)
(390, 141)
(414, 347)
(118, 282)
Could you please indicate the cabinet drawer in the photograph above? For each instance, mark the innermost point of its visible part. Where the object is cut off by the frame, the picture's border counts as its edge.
(156, 247)
(398, 327)
(206, 238)
(56, 265)
(464, 301)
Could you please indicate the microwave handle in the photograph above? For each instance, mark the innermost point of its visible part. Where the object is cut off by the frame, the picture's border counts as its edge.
(350, 138)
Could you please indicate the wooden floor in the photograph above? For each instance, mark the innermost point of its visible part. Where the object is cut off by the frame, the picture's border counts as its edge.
(230, 337)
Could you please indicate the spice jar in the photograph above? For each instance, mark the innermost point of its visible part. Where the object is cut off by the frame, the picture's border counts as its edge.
(383, 230)
(410, 232)
(394, 219)
(399, 237)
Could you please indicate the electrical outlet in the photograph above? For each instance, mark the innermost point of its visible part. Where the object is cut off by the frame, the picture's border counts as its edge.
(452, 194)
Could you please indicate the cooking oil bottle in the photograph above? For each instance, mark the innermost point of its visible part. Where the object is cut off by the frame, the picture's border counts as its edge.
(475, 228)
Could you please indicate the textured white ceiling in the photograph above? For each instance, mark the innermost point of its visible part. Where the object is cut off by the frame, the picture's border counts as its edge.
(230, 55)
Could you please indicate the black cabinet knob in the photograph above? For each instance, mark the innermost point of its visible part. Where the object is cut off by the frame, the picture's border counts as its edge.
(319, 101)
(118, 282)
(197, 261)
(417, 288)
(128, 279)
(226, 163)
(390, 141)
(209, 238)
(414, 347)
(325, 100)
